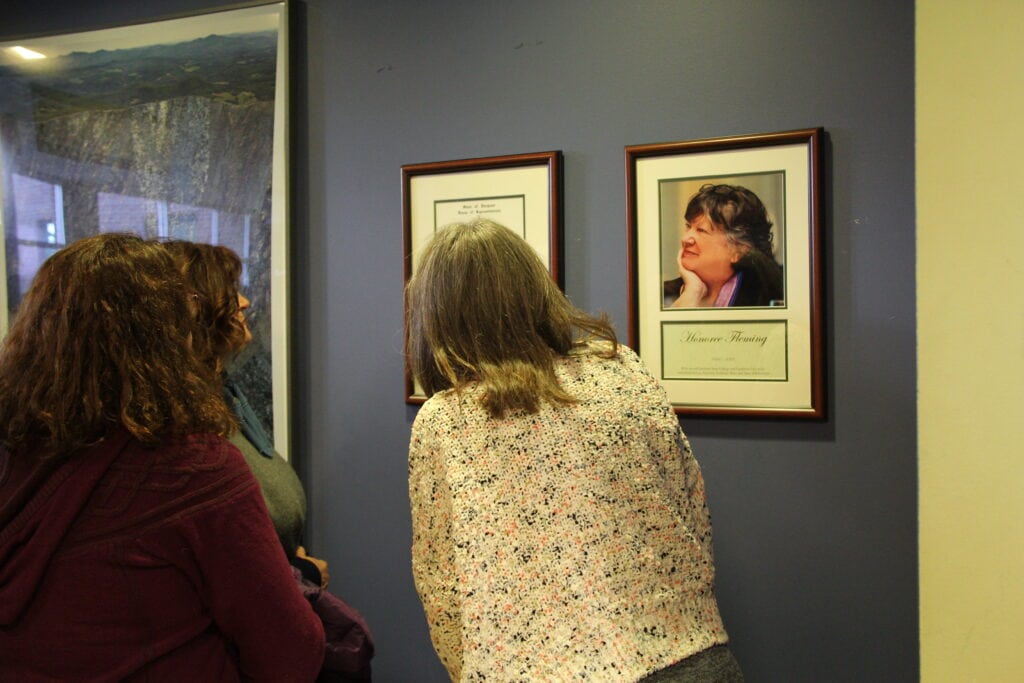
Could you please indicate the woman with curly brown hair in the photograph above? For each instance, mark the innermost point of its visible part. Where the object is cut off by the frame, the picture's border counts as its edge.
(560, 530)
(212, 274)
(134, 542)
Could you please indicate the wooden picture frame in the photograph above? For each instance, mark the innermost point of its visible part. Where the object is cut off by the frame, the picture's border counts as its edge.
(750, 353)
(520, 191)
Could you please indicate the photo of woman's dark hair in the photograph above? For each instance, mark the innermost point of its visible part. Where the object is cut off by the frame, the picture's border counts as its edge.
(727, 252)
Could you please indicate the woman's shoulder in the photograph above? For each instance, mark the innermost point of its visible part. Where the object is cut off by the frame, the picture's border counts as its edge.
(194, 462)
(448, 405)
(601, 352)
(149, 487)
(599, 364)
(201, 450)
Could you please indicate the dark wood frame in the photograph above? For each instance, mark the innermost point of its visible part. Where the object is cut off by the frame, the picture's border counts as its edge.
(812, 139)
(552, 160)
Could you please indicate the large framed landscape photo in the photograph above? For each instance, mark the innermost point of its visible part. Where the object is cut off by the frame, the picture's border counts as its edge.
(171, 129)
(520, 191)
(724, 254)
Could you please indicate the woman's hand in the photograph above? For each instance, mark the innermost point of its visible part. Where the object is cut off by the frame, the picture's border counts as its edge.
(694, 289)
(321, 565)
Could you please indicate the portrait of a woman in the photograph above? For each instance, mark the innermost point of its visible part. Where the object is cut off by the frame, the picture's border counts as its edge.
(726, 255)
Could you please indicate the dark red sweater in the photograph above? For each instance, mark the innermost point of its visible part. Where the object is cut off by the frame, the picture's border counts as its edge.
(129, 563)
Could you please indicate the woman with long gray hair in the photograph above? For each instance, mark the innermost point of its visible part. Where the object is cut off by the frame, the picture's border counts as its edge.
(560, 530)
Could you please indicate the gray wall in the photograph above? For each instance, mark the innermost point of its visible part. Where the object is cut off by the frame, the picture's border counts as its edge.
(815, 524)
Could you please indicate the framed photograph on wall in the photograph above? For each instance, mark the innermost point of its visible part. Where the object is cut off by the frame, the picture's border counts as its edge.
(520, 191)
(724, 255)
(171, 129)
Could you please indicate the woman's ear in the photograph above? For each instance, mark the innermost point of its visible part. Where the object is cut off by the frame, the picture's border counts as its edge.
(738, 252)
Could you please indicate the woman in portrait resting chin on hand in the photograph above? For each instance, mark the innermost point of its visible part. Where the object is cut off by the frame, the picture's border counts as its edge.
(725, 256)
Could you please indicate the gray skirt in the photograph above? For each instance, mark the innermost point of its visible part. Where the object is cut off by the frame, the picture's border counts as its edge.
(714, 665)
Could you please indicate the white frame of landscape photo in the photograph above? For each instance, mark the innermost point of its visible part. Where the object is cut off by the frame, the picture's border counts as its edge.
(179, 142)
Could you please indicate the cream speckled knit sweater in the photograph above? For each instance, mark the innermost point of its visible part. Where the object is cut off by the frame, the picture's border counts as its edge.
(571, 544)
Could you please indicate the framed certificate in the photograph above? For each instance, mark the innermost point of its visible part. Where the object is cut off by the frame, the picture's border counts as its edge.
(520, 191)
